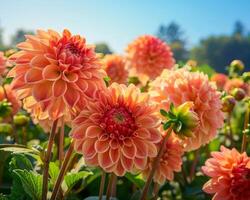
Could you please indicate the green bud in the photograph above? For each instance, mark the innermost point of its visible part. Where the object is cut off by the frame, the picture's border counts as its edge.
(21, 120)
(5, 108)
(238, 93)
(5, 128)
(134, 80)
(237, 65)
(187, 120)
(246, 76)
(228, 103)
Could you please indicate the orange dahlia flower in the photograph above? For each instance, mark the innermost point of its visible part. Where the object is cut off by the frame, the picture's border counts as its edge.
(220, 80)
(114, 65)
(40, 117)
(230, 175)
(119, 132)
(61, 72)
(149, 55)
(7, 93)
(2, 64)
(170, 162)
(179, 86)
(236, 83)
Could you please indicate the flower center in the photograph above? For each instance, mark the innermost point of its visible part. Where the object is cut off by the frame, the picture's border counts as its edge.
(240, 182)
(118, 122)
(73, 49)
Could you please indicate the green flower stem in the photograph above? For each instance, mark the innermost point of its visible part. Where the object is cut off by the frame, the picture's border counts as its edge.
(47, 160)
(155, 165)
(244, 138)
(102, 185)
(110, 186)
(63, 170)
(61, 143)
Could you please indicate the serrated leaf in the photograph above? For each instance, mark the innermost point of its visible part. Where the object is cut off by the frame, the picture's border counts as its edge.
(136, 179)
(19, 161)
(72, 178)
(31, 182)
(53, 171)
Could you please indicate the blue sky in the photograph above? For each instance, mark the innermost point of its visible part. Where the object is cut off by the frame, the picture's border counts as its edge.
(117, 22)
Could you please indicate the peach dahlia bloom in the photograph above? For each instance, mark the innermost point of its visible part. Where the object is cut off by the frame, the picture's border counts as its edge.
(61, 72)
(236, 83)
(7, 93)
(40, 117)
(3, 62)
(170, 162)
(119, 132)
(179, 86)
(230, 175)
(220, 80)
(149, 55)
(114, 65)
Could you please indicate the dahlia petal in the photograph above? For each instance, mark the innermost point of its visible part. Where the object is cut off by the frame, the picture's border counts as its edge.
(104, 160)
(129, 151)
(147, 122)
(51, 72)
(141, 148)
(155, 135)
(93, 131)
(152, 150)
(59, 88)
(33, 75)
(42, 91)
(57, 108)
(88, 148)
(140, 163)
(82, 84)
(143, 133)
(101, 146)
(70, 77)
(39, 61)
(126, 163)
(114, 155)
(71, 96)
(120, 171)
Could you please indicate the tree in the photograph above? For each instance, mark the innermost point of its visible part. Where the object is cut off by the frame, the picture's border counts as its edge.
(173, 35)
(102, 48)
(219, 51)
(19, 36)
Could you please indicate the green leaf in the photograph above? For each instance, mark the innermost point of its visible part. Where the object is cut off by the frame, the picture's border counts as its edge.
(97, 198)
(20, 161)
(136, 179)
(107, 80)
(53, 171)
(167, 125)
(31, 182)
(3, 197)
(178, 126)
(171, 107)
(164, 113)
(72, 178)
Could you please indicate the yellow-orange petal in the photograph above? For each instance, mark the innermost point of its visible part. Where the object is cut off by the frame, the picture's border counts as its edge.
(42, 91)
(59, 88)
(88, 148)
(33, 75)
(51, 72)
(104, 160)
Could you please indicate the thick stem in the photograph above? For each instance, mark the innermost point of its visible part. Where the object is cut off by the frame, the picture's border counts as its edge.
(47, 160)
(155, 165)
(156, 191)
(24, 131)
(110, 186)
(113, 193)
(102, 185)
(63, 170)
(61, 143)
(244, 138)
(194, 164)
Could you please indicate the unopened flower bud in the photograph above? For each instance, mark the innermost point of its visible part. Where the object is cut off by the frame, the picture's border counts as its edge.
(237, 65)
(246, 76)
(187, 120)
(238, 93)
(21, 120)
(228, 103)
(5, 108)
(5, 128)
